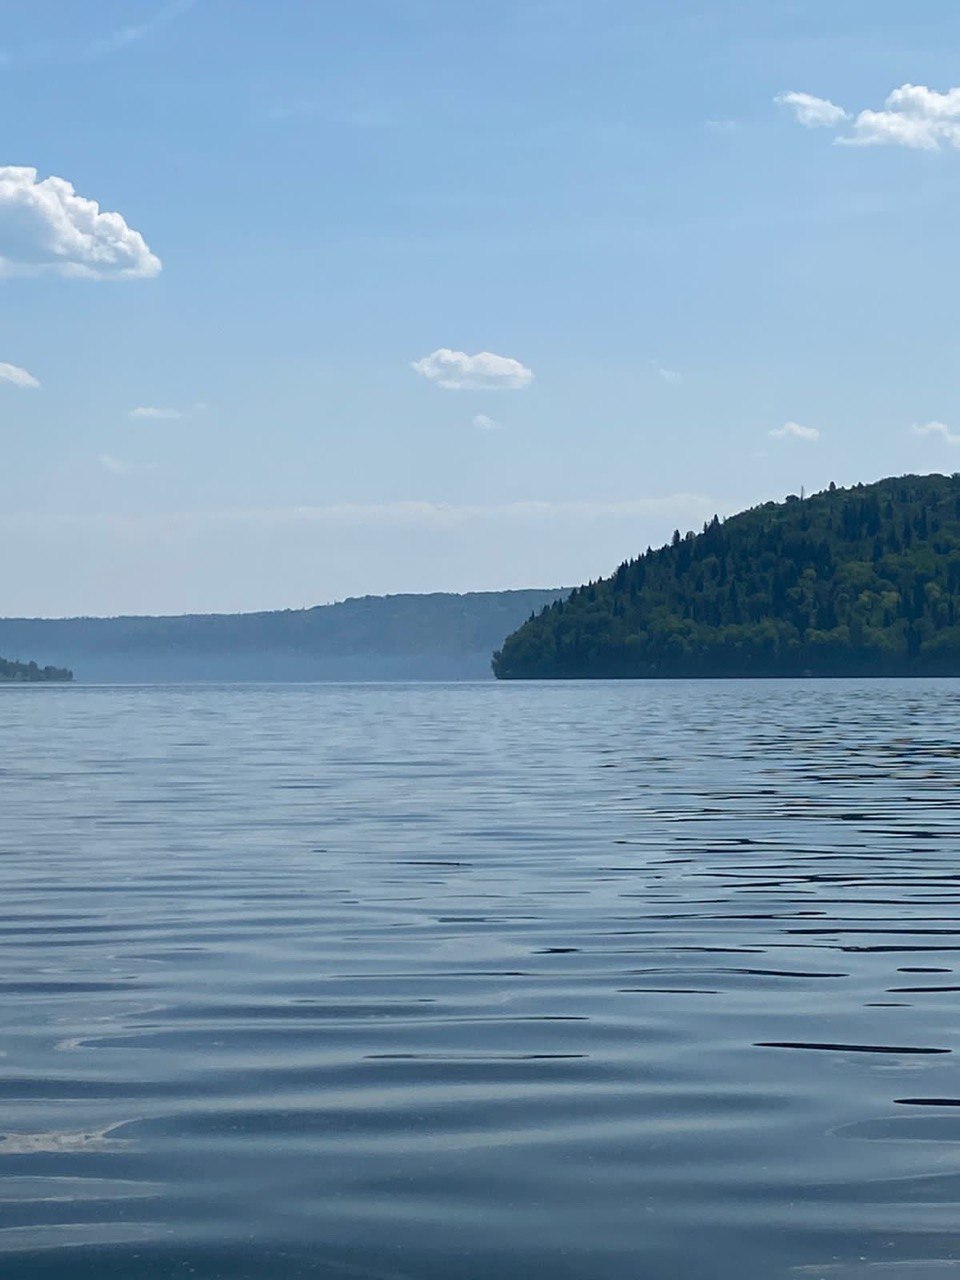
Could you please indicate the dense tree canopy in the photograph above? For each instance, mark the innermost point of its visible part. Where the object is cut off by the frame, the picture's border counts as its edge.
(29, 672)
(861, 581)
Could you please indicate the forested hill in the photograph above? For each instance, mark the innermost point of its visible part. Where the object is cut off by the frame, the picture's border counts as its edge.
(861, 581)
(403, 637)
(30, 673)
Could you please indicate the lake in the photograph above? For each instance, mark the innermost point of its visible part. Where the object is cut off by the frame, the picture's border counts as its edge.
(614, 981)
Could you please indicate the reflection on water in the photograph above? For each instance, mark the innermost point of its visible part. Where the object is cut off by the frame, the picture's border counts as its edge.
(604, 982)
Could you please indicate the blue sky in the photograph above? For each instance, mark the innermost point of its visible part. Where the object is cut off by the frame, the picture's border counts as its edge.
(668, 258)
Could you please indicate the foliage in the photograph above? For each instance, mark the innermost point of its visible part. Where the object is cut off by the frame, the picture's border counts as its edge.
(860, 581)
(30, 673)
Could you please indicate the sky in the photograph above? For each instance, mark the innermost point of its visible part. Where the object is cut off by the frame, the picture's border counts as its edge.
(305, 300)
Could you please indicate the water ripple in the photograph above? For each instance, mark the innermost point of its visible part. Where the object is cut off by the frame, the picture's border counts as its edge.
(582, 981)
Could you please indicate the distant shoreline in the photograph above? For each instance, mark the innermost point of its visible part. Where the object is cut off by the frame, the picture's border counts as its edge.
(31, 673)
(440, 636)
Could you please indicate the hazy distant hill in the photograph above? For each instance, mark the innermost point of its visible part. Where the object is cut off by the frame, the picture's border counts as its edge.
(861, 581)
(403, 637)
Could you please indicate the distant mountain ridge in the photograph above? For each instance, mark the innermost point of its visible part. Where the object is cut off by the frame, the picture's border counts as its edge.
(404, 637)
(859, 582)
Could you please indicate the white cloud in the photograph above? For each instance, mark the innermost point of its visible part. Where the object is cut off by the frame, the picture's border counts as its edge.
(162, 415)
(794, 431)
(46, 227)
(166, 413)
(114, 465)
(937, 429)
(722, 126)
(18, 377)
(486, 424)
(669, 375)
(485, 371)
(813, 113)
(912, 116)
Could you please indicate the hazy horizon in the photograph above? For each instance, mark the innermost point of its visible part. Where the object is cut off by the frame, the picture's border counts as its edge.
(320, 604)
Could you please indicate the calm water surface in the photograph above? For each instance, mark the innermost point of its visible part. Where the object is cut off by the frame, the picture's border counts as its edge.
(587, 982)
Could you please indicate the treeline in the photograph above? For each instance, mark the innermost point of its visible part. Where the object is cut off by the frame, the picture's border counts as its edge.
(30, 673)
(861, 581)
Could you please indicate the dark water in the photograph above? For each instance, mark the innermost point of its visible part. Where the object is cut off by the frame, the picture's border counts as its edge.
(605, 982)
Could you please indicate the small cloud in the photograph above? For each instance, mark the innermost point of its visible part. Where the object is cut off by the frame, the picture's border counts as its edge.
(483, 423)
(114, 465)
(722, 126)
(166, 413)
(669, 375)
(936, 429)
(163, 415)
(457, 371)
(45, 227)
(811, 112)
(18, 377)
(794, 431)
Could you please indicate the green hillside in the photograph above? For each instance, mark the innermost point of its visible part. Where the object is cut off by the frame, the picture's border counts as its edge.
(861, 581)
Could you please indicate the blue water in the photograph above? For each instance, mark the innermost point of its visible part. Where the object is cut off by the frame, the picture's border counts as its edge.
(589, 982)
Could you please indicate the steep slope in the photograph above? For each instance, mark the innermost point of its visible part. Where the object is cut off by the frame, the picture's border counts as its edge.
(407, 637)
(861, 581)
